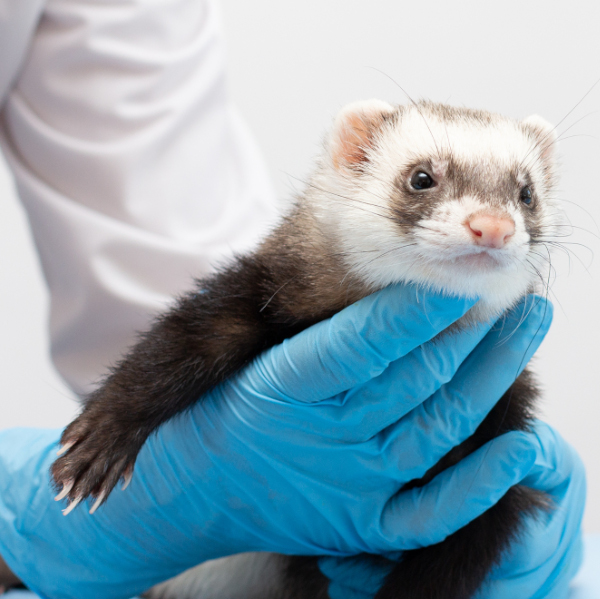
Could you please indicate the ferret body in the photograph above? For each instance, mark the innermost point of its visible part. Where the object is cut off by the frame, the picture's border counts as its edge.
(450, 199)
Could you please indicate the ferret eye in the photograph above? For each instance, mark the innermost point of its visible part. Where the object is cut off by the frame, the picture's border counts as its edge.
(526, 195)
(421, 180)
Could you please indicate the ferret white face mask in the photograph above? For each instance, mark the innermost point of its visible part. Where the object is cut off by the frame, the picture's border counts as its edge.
(450, 198)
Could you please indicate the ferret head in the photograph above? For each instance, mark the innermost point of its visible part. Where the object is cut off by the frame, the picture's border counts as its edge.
(449, 198)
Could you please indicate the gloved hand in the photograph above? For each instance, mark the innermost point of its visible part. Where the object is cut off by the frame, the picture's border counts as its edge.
(541, 563)
(547, 557)
(303, 453)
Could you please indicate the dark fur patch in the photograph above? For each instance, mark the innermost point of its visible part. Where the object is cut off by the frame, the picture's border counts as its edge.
(304, 580)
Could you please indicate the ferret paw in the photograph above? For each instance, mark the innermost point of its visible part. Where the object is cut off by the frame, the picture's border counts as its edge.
(94, 456)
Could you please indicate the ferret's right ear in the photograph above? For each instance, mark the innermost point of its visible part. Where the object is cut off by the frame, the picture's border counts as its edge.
(354, 131)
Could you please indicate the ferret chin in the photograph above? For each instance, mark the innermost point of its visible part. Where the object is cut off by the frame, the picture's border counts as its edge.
(451, 199)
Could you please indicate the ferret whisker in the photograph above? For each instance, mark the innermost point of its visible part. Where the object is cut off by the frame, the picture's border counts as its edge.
(536, 269)
(534, 145)
(556, 243)
(504, 317)
(560, 138)
(426, 228)
(524, 314)
(566, 115)
(350, 202)
(531, 251)
(551, 269)
(575, 135)
(584, 210)
(527, 260)
(349, 199)
(390, 251)
(383, 254)
(276, 292)
(563, 249)
(538, 157)
(570, 226)
(351, 252)
(415, 104)
(382, 181)
(561, 245)
(549, 289)
(450, 147)
(571, 252)
(370, 191)
(585, 116)
(353, 202)
(557, 236)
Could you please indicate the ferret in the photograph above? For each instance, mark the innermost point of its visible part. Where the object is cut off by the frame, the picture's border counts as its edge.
(450, 199)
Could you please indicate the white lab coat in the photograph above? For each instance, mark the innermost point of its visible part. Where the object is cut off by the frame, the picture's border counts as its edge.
(134, 168)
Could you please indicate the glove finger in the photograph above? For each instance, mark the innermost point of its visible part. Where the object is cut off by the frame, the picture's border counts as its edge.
(527, 574)
(427, 515)
(556, 463)
(405, 384)
(548, 554)
(356, 344)
(549, 551)
(454, 412)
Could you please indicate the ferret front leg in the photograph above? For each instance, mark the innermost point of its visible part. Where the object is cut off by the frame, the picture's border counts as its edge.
(186, 353)
(97, 450)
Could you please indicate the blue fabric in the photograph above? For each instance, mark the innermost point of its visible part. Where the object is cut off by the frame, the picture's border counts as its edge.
(323, 429)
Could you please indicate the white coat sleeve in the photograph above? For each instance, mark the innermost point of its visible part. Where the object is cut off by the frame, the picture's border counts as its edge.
(135, 170)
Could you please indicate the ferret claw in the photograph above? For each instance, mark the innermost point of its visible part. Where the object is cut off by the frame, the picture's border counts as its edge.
(65, 448)
(127, 476)
(98, 502)
(71, 506)
(65, 490)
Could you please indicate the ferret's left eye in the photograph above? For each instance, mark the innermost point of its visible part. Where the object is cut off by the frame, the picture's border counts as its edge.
(421, 180)
(526, 195)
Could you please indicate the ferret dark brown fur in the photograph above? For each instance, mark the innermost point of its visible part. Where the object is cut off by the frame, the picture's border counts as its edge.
(448, 198)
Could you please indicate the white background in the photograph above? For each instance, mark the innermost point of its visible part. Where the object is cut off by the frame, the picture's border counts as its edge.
(292, 66)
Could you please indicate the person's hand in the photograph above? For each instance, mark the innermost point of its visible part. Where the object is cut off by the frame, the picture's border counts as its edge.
(302, 453)
(547, 556)
(542, 561)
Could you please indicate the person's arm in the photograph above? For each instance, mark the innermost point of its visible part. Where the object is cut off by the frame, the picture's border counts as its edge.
(135, 170)
(303, 452)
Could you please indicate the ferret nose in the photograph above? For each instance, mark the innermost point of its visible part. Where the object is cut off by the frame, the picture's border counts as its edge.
(490, 231)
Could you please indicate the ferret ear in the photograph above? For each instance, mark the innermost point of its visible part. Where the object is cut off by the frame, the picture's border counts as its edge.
(544, 133)
(354, 131)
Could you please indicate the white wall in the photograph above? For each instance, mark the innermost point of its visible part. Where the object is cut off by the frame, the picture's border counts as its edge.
(292, 66)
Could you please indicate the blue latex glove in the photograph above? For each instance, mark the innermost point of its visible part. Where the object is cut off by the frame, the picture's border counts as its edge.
(303, 452)
(540, 565)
